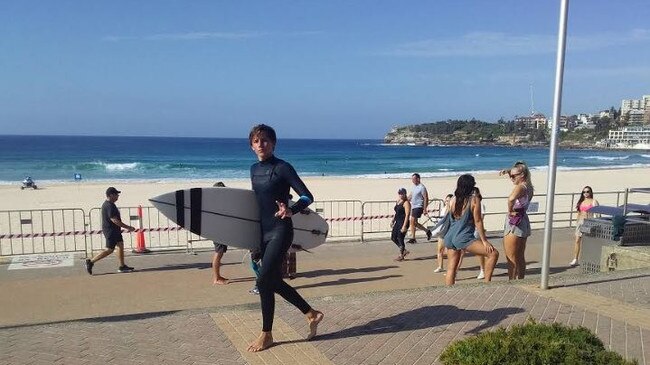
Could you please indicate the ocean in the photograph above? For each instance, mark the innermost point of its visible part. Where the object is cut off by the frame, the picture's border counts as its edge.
(59, 158)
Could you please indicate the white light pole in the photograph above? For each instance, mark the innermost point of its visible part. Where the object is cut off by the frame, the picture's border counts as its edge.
(552, 158)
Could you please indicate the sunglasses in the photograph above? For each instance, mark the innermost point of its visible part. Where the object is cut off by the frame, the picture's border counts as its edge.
(587, 192)
(512, 176)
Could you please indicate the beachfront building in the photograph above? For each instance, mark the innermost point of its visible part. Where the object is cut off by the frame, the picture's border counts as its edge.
(636, 111)
(607, 113)
(565, 123)
(630, 137)
(534, 121)
(585, 121)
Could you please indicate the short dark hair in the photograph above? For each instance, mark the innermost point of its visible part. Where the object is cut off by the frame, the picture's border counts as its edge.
(416, 175)
(259, 129)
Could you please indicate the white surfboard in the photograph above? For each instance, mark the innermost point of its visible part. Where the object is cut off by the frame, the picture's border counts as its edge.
(231, 216)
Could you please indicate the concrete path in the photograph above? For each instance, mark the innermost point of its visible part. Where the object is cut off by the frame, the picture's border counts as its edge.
(377, 311)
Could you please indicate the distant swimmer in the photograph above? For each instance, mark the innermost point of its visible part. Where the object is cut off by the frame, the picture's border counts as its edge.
(111, 227)
(272, 178)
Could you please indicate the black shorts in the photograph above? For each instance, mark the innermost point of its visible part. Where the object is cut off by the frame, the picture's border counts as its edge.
(416, 212)
(112, 239)
(219, 248)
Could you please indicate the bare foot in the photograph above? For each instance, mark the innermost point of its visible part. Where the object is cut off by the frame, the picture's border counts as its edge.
(406, 252)
(399, 258)
(220, 281)
(314, 319)
(263, 342)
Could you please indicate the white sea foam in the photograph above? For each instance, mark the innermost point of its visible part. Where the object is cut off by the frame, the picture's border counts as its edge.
(605, 158)
(113, 166)
(406, 175)
(121, 166)
(448, 173)
(645, 156)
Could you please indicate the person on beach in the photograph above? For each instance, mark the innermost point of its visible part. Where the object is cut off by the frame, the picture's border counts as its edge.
(481, 259)
(419, 199)
(517, 225)
(219, 251)
(441, 241)
(400, 223)
(112, 229)
(585, 203)
(271, 179)
(466, 218)
(289, 265)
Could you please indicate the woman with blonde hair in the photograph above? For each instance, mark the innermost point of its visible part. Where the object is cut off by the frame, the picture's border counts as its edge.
(517, 225)
(585, 203)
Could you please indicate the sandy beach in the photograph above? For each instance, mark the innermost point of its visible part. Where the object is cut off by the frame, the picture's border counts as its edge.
(87, 195)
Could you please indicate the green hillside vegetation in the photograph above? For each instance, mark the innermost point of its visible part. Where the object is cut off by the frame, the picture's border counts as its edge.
(464, 132)
(500, 133)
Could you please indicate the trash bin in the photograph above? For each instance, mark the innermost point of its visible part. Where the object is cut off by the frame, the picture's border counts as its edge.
(597, 233)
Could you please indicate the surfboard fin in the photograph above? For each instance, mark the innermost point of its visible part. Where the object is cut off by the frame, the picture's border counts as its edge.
(299, 248)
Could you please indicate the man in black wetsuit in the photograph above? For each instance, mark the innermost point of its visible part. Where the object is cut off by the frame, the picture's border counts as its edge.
(271, 179)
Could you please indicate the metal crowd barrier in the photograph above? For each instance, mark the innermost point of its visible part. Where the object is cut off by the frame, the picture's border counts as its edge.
(70, 230)
(377, 215)
(24, 232)
(160, 233)
(564, 215)
(342, 216)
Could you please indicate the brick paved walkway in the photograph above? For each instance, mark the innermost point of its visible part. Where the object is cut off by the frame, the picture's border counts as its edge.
(396, 327)
(376, 311)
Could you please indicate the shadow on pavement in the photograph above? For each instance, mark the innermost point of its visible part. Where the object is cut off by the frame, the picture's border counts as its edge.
(552, 270)
(427, 317)
(128, 317)
(318, 273)
(120, 318)
(346, 281)
(423, 258)
(608, 280)
(241, 280)
(193, 265)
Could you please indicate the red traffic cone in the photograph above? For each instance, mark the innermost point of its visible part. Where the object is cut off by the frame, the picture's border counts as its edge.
(139, 236)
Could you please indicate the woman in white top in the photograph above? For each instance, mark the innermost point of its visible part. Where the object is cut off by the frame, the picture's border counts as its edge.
(517, 225)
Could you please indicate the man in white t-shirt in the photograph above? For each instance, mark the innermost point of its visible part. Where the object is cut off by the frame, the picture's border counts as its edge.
(419, 199)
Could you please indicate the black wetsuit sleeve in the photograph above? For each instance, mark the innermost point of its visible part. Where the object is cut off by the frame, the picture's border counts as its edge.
(291, 177)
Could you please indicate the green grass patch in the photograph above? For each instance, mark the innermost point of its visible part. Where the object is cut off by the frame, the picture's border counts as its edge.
(532, 343)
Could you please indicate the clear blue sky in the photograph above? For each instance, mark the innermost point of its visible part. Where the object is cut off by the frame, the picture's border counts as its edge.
(319, 69)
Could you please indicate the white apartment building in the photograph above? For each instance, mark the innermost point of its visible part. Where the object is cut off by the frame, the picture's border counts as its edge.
(630, 135)
(606, 113)
(635, 104)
